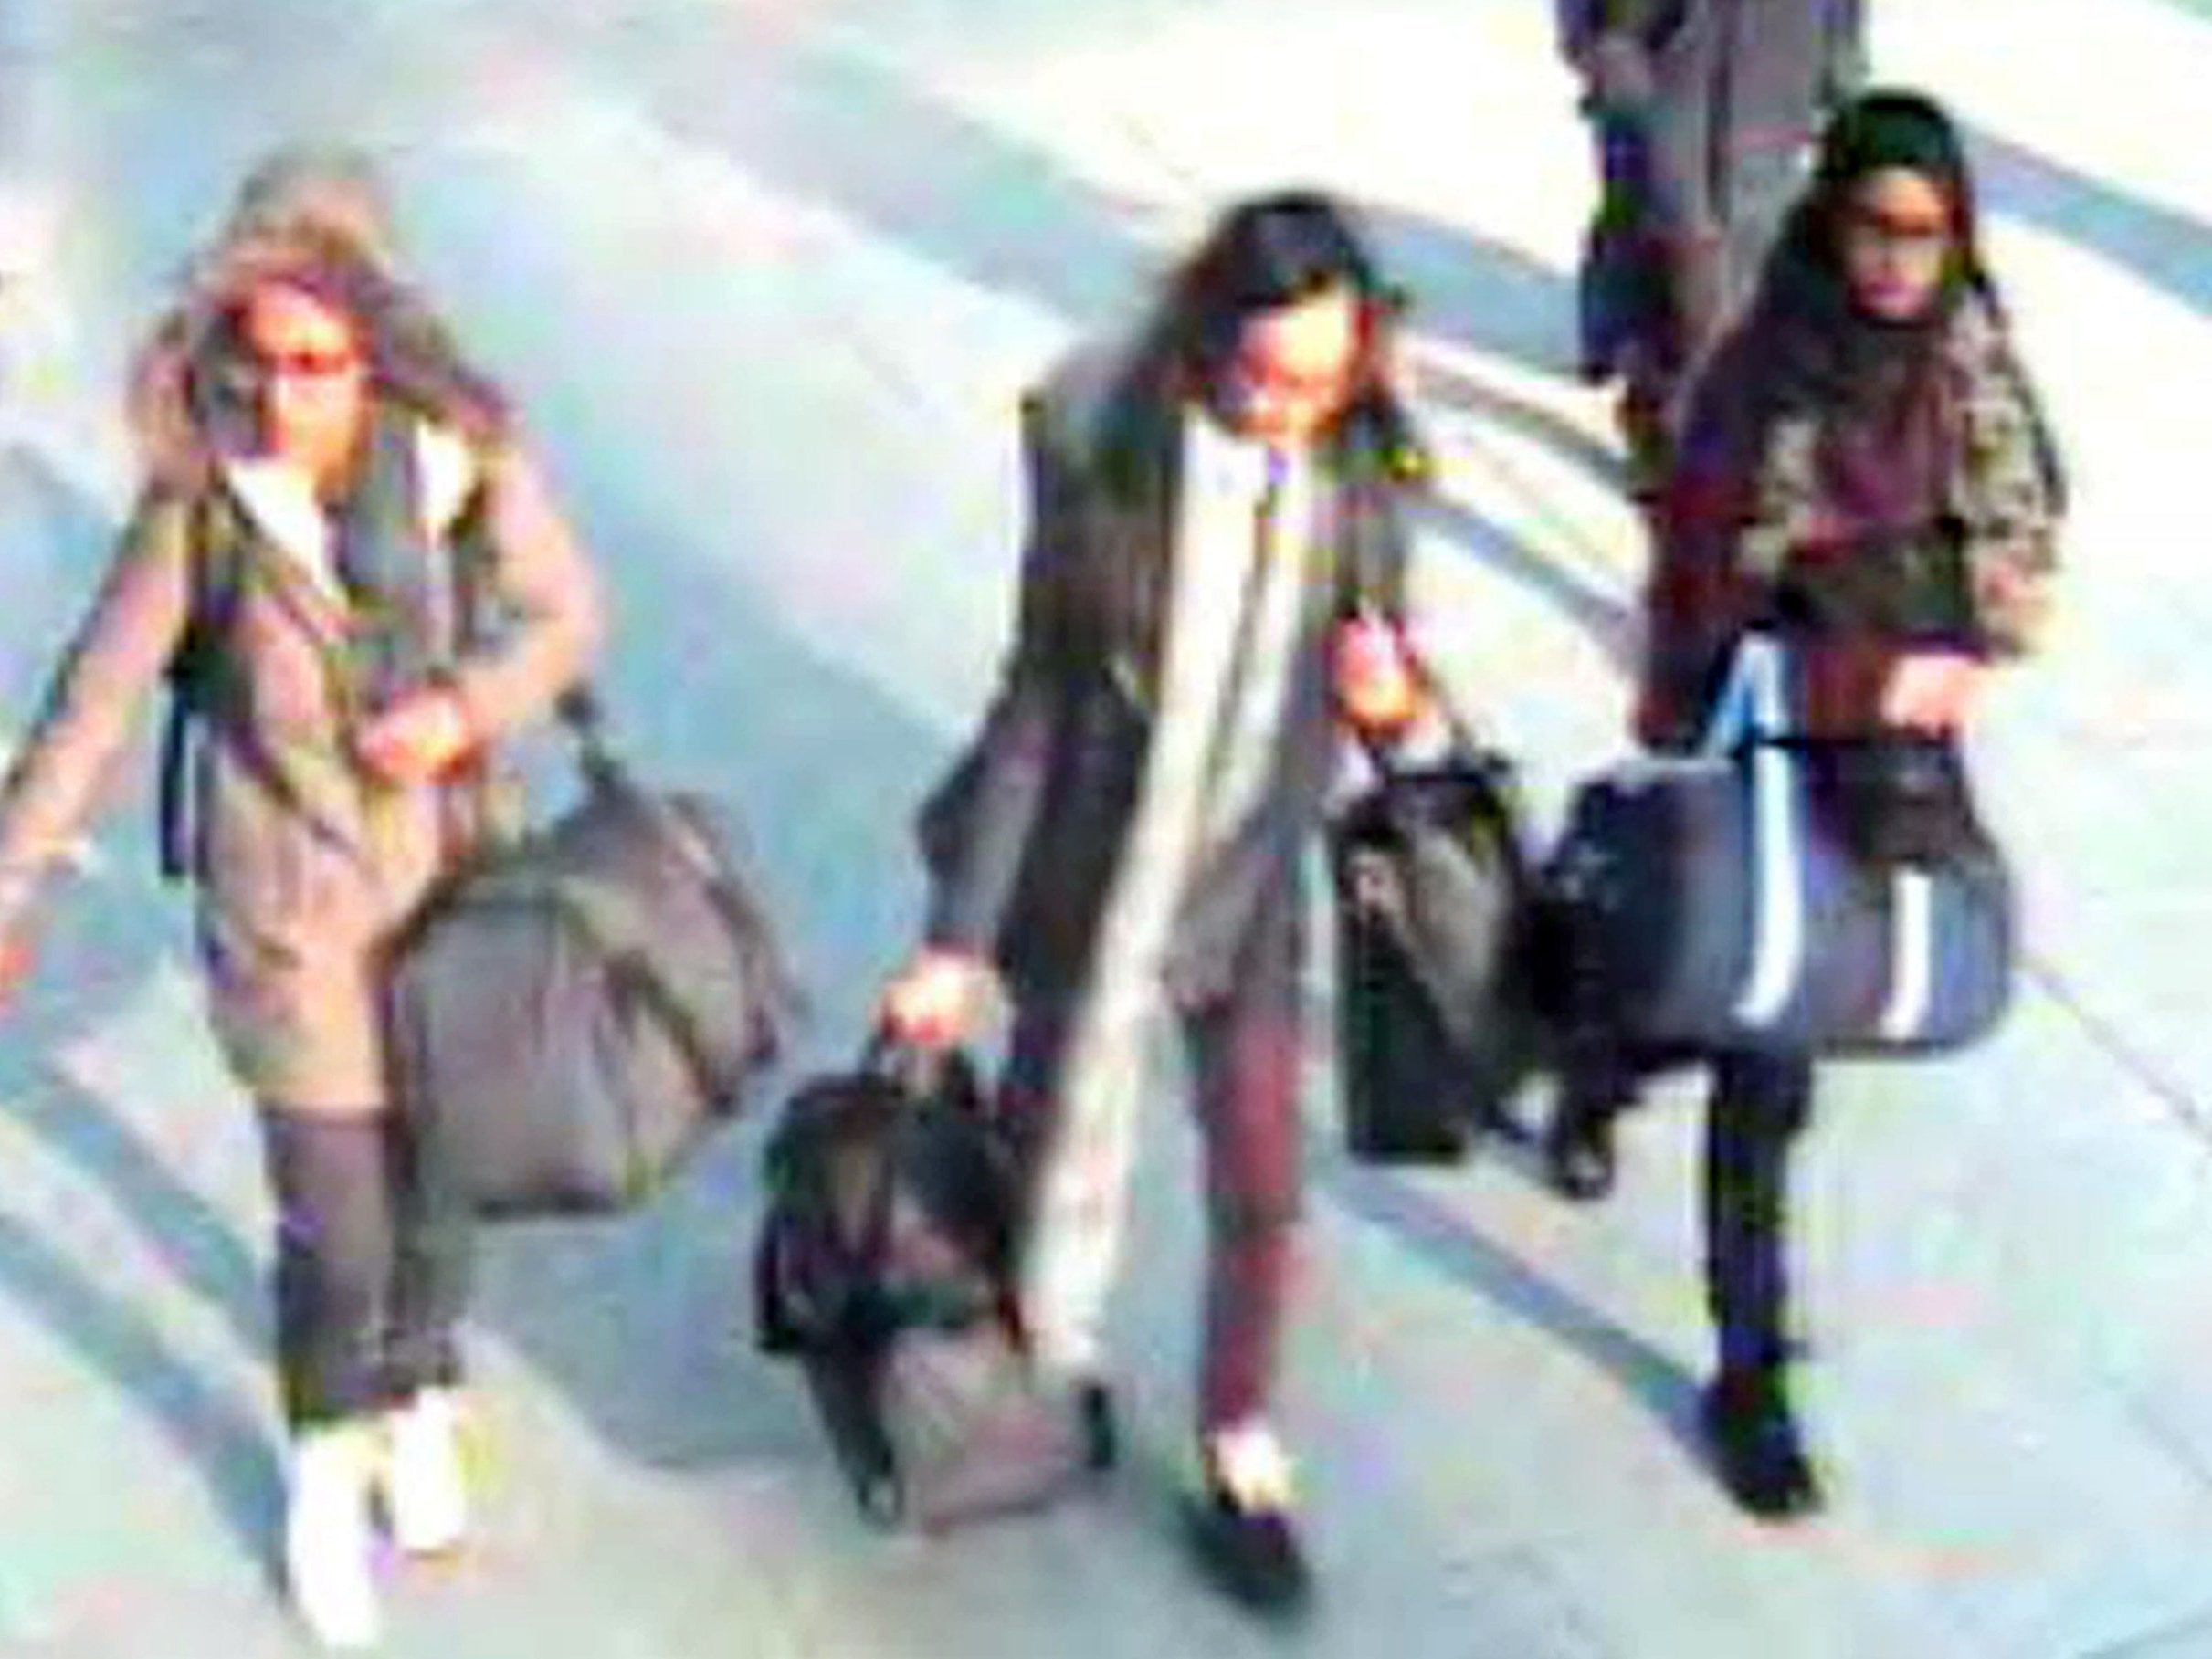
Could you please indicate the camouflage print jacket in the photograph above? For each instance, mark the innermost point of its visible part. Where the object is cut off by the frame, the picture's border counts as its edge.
(1859, 541)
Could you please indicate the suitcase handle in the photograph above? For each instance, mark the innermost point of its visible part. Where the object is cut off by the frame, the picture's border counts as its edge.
(913, 1069)
(580, 710)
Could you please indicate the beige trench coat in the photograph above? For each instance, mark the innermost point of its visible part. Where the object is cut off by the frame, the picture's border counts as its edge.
(306, 865)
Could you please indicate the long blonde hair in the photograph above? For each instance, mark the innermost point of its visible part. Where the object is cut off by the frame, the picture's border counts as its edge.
(316, 220)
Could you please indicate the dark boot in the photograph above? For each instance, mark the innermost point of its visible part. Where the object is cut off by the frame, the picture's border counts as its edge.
(1760, 1104)
(1251, 1553)
(1752, 1437)
(1095, 1421)
(1578, 1155)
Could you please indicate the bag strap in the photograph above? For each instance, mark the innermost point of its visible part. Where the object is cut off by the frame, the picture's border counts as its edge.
(600, 761)
(1911, 991)
(1749, 716)
(1752, 704)
(172, 811)
(605, 770)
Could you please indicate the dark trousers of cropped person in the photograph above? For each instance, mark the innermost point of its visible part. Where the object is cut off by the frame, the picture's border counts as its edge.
(1758, 1109)
(1757, 1106)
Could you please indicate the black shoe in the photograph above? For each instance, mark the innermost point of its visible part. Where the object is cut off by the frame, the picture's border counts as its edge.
(1755, 1449)
(1094, 1417)
(1578, 1157)
(1251, 1553)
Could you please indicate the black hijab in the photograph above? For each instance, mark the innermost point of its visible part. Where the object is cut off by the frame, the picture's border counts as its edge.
(1828, 353)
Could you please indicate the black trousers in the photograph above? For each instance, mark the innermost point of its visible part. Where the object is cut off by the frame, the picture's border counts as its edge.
(373, 1262)
(1757, 1106)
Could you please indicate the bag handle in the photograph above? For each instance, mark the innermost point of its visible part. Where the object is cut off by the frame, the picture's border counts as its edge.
(580, 710)
(1752, 704)
(911, 1068)
(1748, 718)
(1455, 736)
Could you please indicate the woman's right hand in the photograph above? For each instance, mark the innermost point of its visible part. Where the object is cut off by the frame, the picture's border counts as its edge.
(1930, 691)
(418, 740)
(937, 1000)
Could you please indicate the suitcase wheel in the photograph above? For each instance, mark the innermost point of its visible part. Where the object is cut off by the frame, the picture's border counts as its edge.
(880, 1494)
(845, 1395)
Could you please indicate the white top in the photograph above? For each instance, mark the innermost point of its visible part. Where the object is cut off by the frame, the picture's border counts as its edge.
(1232, 475)
(280, 498)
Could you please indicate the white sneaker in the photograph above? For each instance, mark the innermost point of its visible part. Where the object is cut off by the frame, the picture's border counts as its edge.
(425, 1493)
(1249, 1462)
(328, 1537)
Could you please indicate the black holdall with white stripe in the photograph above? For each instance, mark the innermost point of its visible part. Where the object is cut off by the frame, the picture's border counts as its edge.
(1775, 892)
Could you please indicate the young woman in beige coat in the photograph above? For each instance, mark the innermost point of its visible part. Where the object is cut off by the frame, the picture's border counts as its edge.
(377, 587)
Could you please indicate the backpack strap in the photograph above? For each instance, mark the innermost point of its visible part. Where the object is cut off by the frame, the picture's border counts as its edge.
(171, 809)
(191, 676)
(196, 668)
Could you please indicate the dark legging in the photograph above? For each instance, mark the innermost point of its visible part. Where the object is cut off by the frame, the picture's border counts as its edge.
(1759, 1105)
(371, 1264)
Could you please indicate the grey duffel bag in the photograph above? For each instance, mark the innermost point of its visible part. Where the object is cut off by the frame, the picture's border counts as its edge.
(574, 1012)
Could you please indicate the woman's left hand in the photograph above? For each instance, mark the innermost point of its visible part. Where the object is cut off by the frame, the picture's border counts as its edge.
(1930, 691)
(418, 739)
(15, 963)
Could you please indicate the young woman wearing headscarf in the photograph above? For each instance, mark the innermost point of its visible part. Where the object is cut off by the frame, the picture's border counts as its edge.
(1865, 471)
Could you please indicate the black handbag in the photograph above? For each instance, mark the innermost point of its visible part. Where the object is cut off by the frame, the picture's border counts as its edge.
(576, 1009)
(1434, 1019)
(885, 1266)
